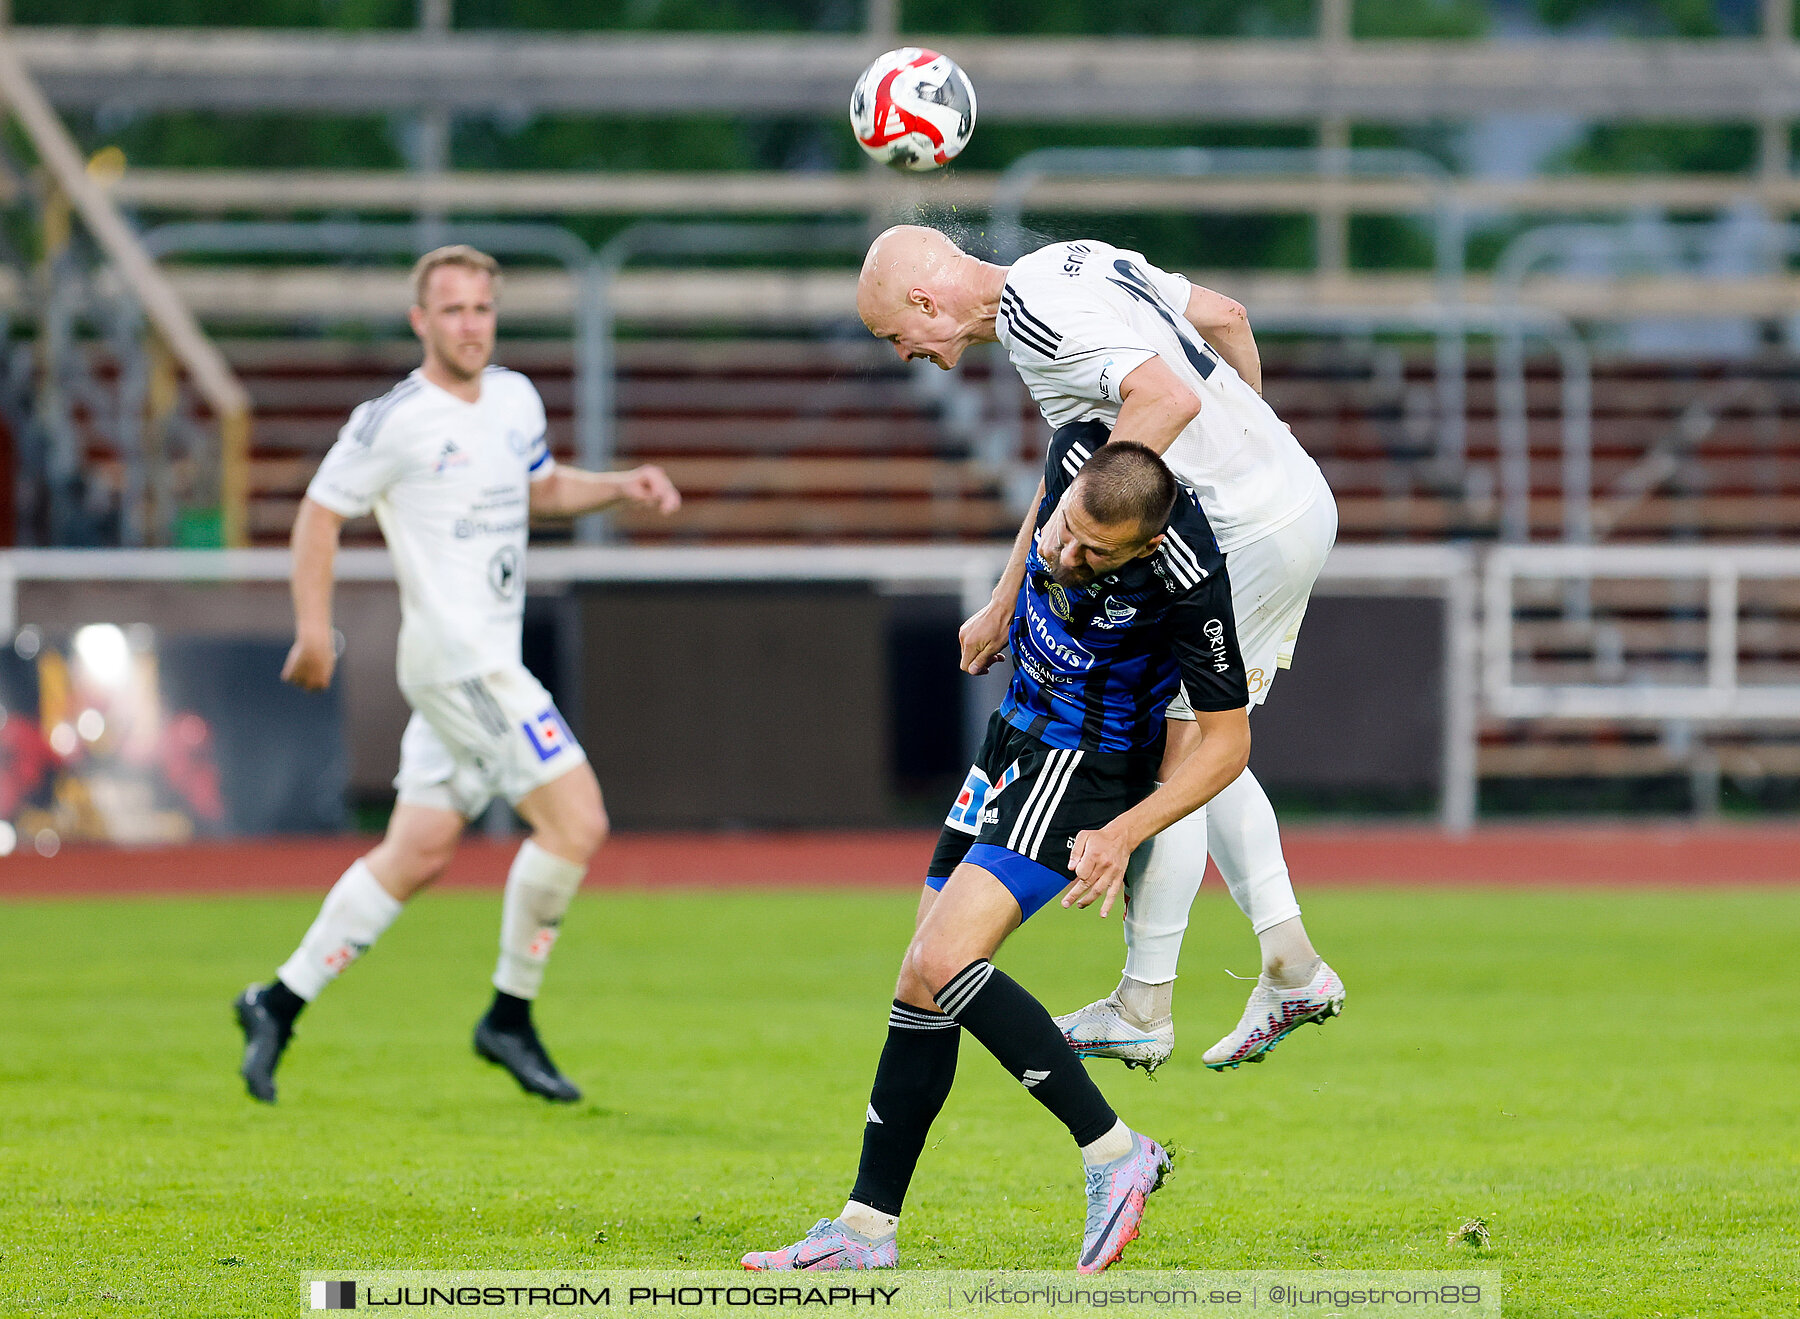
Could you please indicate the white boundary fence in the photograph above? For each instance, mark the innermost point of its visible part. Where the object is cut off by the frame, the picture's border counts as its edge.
(967, 572)
(1480, 642)
(1479, 657)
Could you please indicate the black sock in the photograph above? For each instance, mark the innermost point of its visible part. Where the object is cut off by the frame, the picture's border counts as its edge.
(281, 1002)
(912, 1080)
(509, 1012)
(1015, 1028)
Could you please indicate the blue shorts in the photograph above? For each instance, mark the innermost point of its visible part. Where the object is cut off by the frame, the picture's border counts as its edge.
(1024, 801)
(1032, 882)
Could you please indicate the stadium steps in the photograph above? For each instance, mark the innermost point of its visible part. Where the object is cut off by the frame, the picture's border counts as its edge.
(771, 441)
(806, 440)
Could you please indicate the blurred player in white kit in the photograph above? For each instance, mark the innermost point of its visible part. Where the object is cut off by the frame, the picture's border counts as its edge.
(454, 462)
(1099, 334)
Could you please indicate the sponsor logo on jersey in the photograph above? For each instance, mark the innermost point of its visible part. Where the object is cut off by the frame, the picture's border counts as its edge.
(469, 528)
(1069, 654)
(1078, 252)
(503, 572)
(1059, 601)
(450, 456)
(1108, 390)
(1041, 673)
(1215, 636)
(548, 734)
(1118, 613)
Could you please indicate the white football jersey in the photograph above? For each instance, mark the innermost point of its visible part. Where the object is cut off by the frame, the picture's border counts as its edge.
(450, 484)
(1077, 318)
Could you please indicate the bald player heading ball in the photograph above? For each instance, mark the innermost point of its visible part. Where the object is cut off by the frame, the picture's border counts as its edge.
(1102, 336)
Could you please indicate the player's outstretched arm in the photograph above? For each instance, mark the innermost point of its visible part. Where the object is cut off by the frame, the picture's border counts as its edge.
(1099, 856)
(570, 491)
(313, 545)
(1155, 405)
(1224, 324)
(983, 636)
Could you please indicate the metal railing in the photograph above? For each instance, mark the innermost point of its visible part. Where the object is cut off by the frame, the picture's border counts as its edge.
(1025, 80)
(656, 239)
(1621, 251)
(151, 292)
(1719, 694)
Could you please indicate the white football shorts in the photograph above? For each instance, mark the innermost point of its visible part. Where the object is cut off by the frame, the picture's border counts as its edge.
(1271, 580)
(469, 742)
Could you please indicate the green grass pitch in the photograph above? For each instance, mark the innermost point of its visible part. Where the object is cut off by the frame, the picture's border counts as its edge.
(1608, 1078)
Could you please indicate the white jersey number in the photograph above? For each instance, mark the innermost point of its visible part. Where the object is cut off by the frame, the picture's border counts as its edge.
(1138, 285)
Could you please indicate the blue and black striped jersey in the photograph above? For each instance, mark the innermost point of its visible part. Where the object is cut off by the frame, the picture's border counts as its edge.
(1095, 666)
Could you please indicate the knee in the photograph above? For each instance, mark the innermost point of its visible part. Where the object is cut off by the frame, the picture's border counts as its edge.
(405, 870)
(591, 830)
(578, 833)
(928, 967)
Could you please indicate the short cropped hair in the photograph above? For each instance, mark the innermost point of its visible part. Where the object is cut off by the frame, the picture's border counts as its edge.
(457, 254)
(1127, 482)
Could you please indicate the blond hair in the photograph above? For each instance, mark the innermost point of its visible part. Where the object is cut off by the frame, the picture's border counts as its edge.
(457, 254)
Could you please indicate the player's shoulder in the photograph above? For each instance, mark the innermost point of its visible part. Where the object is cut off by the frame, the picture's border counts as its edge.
(505, 377)
(1055, 299)
(1063, 262)
(1189, 555)
(1071, 445)
(386, 414)
(512, 386)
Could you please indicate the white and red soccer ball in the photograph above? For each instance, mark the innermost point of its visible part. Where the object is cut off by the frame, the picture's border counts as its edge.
(913, 109)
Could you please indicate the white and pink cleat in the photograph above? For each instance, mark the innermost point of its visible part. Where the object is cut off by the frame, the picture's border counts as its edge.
(1272, 1014)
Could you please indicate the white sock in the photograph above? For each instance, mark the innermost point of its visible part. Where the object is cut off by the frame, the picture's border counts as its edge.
(1289, 959)
(871, 1223)
(1246, 846)
(351, 918)
(1145, 1005)
(1115, 1144)
(1160, 886)
(539, 888)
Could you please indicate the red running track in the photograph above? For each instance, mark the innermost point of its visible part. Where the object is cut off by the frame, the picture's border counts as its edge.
(1551, 856)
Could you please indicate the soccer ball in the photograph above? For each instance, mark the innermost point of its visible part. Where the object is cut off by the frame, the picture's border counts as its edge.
(913, 109)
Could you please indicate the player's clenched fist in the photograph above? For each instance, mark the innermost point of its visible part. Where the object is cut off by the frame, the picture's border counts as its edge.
(650, 485)
(983, 636)
(310, 663)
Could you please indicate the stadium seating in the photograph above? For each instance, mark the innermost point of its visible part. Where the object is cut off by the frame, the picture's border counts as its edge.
(799, 440)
